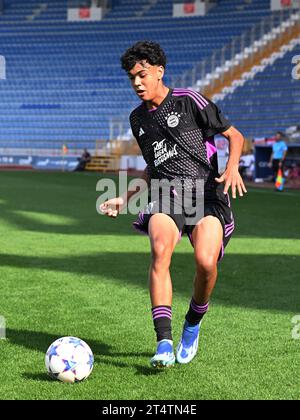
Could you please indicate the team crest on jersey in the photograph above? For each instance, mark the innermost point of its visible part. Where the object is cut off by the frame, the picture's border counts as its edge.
(173, 119)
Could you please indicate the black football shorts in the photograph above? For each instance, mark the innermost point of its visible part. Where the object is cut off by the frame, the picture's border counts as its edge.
(219, 208)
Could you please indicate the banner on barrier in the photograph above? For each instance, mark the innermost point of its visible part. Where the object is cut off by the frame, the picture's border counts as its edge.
(85, 14)
(192, 8)
(63, 163)
(285, 4)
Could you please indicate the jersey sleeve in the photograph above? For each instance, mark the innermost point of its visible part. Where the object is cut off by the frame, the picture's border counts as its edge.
(208, 116)
(133, 126)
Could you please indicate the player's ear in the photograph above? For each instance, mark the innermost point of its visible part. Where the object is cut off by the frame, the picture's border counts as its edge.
(160, 72)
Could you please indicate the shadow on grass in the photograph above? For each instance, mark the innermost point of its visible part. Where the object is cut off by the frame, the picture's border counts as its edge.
(40, 341)
(103, 353)
(27, 201)
(252, 281)
(40, 377)
(73, 195)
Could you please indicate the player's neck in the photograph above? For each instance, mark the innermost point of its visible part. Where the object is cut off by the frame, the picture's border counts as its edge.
(159, 98)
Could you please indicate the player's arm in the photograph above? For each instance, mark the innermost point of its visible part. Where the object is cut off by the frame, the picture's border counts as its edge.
(212, 122)
(231, 176)
(113, 206)
(129, 194)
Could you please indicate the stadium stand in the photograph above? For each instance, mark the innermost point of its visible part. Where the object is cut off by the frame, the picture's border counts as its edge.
(269, 101)
(63, 79)
(64, 83)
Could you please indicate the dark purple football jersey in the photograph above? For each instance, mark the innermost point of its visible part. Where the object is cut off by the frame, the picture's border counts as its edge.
(177, 138)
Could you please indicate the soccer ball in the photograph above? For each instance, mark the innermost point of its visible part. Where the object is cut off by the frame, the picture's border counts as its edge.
(69, 359)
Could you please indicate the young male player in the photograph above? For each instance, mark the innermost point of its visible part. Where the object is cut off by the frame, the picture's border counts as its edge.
(175, 131)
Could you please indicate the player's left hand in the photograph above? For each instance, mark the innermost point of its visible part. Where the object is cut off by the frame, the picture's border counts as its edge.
(233, 179)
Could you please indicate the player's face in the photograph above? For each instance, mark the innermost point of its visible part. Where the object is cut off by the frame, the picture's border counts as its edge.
(146, 80)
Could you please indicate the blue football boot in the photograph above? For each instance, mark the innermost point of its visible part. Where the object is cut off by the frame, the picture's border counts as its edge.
(164, 356)
(188, 346)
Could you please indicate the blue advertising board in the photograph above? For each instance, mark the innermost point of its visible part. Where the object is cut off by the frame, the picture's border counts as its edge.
(60, 163)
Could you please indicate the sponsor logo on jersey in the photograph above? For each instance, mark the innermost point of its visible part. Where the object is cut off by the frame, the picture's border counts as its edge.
(161, 152)
(141, 132)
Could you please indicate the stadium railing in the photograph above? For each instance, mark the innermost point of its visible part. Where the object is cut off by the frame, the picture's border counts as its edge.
(210, 73)
(238, 50)
(44, 148)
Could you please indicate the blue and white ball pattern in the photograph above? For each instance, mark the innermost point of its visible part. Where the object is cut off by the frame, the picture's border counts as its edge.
(69, 359)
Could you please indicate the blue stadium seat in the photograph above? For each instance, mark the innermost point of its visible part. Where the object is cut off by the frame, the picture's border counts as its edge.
(64, 81)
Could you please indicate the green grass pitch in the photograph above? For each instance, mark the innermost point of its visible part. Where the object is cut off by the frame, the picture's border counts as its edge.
(65, 270)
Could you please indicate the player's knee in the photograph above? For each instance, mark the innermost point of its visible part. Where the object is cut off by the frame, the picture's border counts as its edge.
(161, 253)
(205, 262)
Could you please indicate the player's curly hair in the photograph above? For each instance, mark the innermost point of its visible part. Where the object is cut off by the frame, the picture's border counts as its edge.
(143, 50)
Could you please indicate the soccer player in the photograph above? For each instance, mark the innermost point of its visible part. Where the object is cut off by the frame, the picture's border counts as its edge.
(175, 131)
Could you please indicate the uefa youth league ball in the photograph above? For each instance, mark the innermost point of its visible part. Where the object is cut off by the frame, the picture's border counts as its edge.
(69, 359)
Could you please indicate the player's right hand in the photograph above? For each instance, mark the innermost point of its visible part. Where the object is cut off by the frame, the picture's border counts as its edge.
(112, 207)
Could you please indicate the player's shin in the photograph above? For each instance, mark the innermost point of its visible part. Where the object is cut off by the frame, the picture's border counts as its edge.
(164, 356)
(162, 318)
